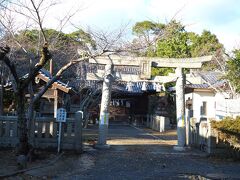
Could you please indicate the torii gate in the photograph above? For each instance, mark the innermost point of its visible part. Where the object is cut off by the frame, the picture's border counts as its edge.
(145, 64)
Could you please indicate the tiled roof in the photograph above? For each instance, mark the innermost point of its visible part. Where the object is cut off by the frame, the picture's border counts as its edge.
(197, 86)
(138, 87)
(128, 87)
(213, 78)
(47, 75)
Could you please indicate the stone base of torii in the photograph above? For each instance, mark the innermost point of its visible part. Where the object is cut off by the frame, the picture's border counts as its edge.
(145, 65)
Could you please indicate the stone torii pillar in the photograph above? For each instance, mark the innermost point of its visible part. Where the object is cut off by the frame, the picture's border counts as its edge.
(104, 111)
(180, 110)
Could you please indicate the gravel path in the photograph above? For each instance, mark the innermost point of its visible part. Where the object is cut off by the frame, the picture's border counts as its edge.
(137, 153)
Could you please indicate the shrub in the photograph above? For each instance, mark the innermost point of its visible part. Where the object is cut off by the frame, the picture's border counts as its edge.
(228, 125)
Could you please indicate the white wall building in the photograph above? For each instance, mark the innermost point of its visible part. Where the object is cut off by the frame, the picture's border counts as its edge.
(211, 98)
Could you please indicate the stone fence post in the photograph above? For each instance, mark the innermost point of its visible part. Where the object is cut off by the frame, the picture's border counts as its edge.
(78, 131)
(211, 142)
(32, 130)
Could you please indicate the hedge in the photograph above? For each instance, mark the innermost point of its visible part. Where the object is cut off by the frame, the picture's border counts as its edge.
(228, 125)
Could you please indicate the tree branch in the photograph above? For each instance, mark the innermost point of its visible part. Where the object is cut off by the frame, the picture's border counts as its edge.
(39, 20)
(46, 56)
(6, 60)
(12, 68)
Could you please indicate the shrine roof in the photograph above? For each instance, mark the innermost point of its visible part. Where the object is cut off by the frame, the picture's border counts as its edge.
(46, 76)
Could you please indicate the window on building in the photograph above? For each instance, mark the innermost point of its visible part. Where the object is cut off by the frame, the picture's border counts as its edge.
(204, 108)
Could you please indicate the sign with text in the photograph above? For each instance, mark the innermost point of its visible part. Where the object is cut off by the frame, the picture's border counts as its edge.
(61, 115)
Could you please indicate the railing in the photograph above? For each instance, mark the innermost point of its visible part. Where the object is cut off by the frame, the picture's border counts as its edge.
(44, 133)
(199, 133)
(204, 137)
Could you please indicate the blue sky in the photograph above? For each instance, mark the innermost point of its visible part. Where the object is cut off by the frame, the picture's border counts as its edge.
(221, 17)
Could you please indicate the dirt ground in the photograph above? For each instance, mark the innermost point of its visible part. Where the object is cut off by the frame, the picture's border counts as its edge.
(134, 153)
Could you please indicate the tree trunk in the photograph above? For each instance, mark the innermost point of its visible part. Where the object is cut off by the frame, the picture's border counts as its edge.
(30, 111)
(22, 124)
(30, 116)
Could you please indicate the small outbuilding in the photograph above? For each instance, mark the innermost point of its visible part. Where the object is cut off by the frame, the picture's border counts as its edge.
(211, 98)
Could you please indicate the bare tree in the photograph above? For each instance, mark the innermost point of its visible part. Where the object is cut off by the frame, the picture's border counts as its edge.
(23, 84)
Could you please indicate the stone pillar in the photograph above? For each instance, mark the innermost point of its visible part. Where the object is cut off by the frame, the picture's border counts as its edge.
(148, 120)
(188, 127)
(162, 123)
(104, 111)
(1, 89)
(55, 105)
(78, 132)
(180, 107)
(51, 67)
(212, 139)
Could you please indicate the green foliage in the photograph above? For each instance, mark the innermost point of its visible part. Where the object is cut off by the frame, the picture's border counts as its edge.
(29, 35)
(233, 70)
(179, 43)
(56, 39)
(82, 36)
(147, 27)
(28, 39)
(157, 71)
(174, 47)
(228, 125)
(63, 47)
(175, 42)
(204, 44)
